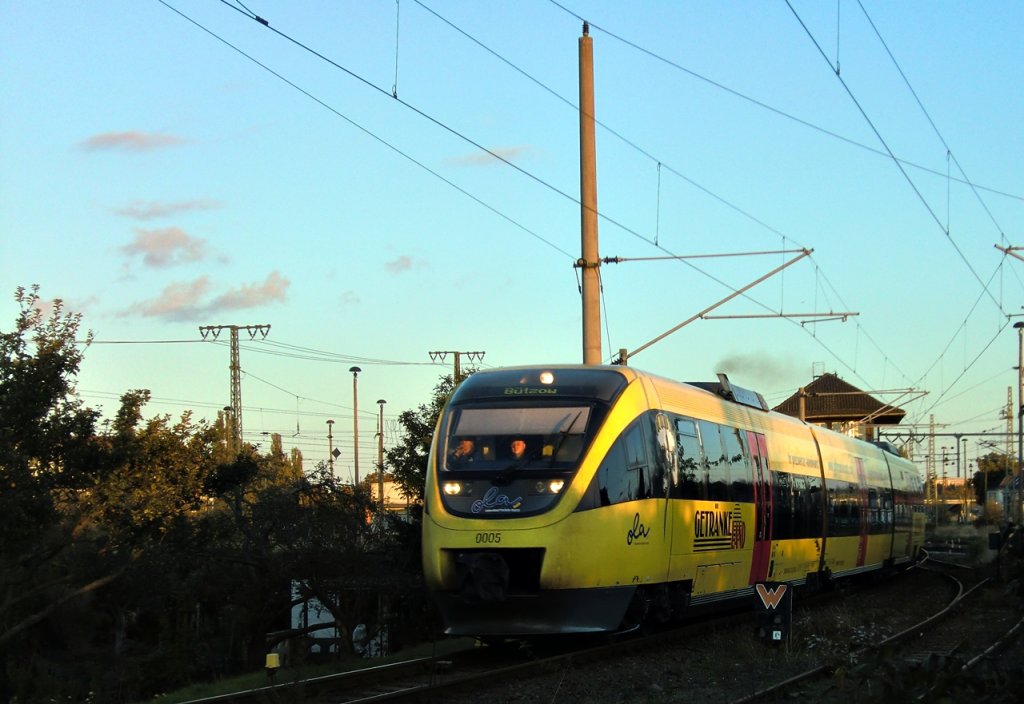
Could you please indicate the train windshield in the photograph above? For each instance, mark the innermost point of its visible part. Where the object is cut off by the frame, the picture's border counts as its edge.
(506, 437)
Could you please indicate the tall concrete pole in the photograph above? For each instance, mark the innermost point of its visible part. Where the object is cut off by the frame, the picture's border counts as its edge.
(589, 259)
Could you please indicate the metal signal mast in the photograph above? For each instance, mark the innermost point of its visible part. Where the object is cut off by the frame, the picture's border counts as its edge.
(235, 368)
(1008, 414)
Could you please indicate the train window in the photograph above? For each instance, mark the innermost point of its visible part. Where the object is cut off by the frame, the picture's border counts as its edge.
(740, 470)
(482, 438)
(611, 475)
(782, 506)
(797, 506)
(902, 509)
(625, 473)
(664, 470)
(844, 509)
(715, 460)
(814, 506)
(874, 511)
(688, 457)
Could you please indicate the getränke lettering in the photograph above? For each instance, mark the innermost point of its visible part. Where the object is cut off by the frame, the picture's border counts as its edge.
(712, 524)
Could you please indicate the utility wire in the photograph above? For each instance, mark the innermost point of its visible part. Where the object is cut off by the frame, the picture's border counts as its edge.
(888, 153)
(635, 146)
(896, 161)
(430, 118)
(359, 127)
(766, 106)
(950, 155)
(949, 152)
(497, 156)
(920, 196)
(521, 170)
(440, 124)
(615, 133)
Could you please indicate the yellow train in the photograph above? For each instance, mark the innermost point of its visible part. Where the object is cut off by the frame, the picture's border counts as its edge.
(578, 499)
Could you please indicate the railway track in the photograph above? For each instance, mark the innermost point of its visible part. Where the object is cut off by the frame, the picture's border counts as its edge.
(463, 673)
(932, 657)
(698, 657)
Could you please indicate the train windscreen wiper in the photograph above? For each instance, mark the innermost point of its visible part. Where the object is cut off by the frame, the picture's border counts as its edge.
(563, 435)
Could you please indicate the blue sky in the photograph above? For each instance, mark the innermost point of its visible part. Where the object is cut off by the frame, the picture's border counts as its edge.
(157, 180)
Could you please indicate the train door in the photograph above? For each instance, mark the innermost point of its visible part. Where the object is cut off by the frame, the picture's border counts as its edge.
(761, 561)
(865, 510)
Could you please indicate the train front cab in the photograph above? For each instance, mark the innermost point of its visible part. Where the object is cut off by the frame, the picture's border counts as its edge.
(517, 547)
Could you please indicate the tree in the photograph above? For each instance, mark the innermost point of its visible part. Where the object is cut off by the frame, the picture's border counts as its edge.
(408, 460)
(47, 458)
(136, 554)
(82, 509)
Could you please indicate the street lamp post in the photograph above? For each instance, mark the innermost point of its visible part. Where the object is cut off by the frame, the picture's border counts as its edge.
(942, 503)
(380, 454)
(963, 487)
(330, 445)
(355, 421)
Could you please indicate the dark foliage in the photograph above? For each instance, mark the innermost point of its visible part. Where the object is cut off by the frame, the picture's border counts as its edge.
(140, 555)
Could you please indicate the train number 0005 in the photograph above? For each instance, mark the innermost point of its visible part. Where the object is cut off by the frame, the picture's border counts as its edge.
(488, 538)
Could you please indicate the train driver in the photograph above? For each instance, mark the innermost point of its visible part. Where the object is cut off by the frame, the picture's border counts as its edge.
(518, 448)
(463, 452)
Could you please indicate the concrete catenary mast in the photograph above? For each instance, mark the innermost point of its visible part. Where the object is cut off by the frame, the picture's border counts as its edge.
(589, 259)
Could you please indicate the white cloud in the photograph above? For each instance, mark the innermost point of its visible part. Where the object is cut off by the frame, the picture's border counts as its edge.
(274, 288)
(397, 266)
(482, 158)
(150, 210)
(131, 141)
(187, 300)
(179, 301)
(165, 247)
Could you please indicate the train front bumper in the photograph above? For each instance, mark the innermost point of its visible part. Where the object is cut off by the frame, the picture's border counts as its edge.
(561, 611)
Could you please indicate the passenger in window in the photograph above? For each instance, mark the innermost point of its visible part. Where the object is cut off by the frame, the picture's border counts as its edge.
(463, 452)
(518, 448)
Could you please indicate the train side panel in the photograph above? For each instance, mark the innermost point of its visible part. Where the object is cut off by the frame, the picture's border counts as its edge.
(715, 543)
(711, 543)
(908, 504)
(794, 501)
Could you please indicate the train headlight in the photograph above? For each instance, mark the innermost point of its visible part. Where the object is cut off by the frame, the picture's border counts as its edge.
(552, 486)
(547, 378)
(453, 488)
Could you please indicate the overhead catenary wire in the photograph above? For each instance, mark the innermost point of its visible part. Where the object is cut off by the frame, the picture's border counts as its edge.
(647, 154)
(477, 145)
(440, 124)
(897, 162)
(985, 286)
(859, 327)
(938, 133)
(363, 129)
(887, 153)
(770, 108)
